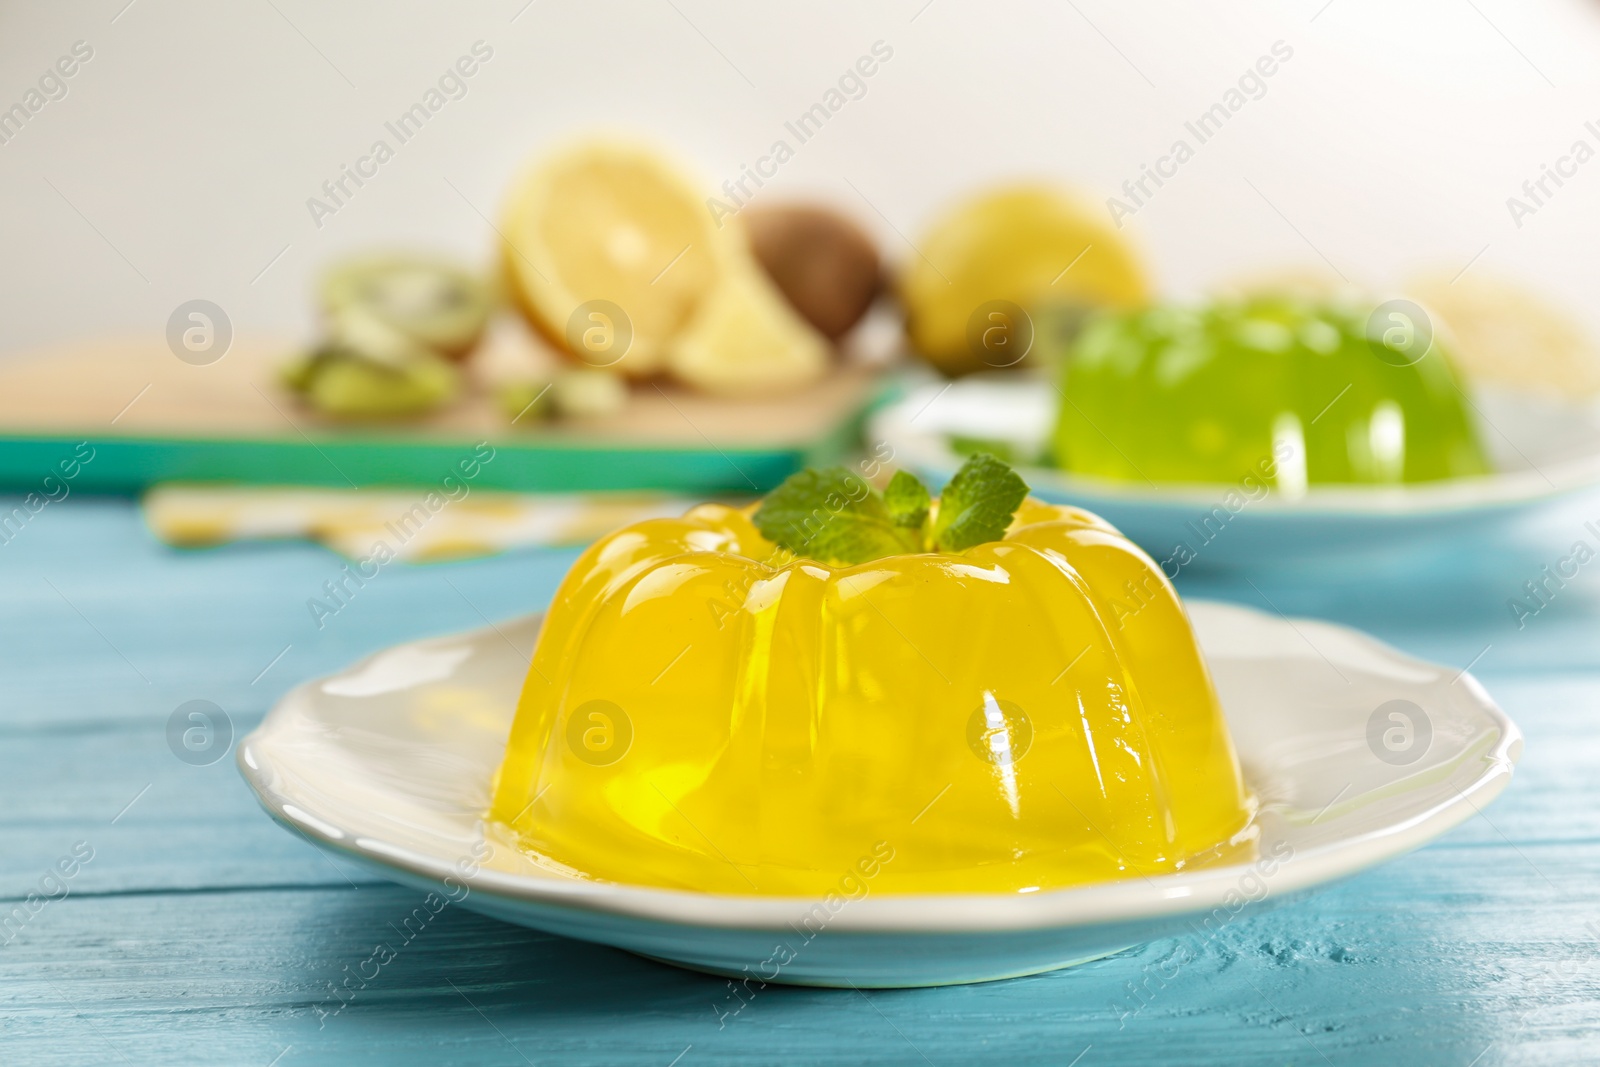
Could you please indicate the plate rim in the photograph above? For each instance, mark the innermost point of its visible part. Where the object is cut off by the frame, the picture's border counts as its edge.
(1478, 494)
(1132, 899)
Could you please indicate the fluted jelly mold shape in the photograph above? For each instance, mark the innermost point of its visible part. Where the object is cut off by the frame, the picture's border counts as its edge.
(708, 713)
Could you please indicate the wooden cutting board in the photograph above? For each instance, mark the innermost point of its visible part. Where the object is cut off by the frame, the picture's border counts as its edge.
(151, 417)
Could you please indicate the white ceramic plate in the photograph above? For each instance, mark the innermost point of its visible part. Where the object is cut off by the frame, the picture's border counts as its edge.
(389, 763)
(1545, 452)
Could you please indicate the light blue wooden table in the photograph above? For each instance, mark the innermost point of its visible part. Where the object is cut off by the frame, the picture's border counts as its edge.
(201, 933)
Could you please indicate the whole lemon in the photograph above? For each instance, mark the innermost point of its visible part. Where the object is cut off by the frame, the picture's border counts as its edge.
(986, 267)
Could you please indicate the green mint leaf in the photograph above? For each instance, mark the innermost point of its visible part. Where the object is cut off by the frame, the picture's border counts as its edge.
(971, 446)
(832, 516)
(977, 504)
(907, 500)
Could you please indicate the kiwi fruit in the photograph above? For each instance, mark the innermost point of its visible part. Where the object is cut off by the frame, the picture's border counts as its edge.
(821, 261)
(436, 304)
(577, 393)
(348, 386)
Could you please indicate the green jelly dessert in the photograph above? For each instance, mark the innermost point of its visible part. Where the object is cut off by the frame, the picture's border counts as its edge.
(1286, 389)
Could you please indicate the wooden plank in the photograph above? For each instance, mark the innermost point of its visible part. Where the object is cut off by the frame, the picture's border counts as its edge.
(1387, 969)
(201, 933)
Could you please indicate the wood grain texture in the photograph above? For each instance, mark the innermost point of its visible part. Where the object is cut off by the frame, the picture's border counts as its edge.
(77, 391)
(201, 933)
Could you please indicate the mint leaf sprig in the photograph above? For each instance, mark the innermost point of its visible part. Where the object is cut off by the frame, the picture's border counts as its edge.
(834, 516)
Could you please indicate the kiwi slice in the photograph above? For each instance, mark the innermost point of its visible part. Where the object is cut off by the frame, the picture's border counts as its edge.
(347, 385)
(588, 393)
(298, 373)
(578, 393)
(434, 303)
(358, 330)
(525, 401)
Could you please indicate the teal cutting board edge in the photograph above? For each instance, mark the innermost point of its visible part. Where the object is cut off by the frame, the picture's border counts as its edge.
(126, 465)
(129, 465)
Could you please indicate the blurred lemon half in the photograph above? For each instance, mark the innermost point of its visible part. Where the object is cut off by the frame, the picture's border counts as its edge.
(1032, 246)
(609, 251)
(747, 340)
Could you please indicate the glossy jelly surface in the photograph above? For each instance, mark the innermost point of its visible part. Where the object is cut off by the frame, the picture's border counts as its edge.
(705, 712)
(1280, 388)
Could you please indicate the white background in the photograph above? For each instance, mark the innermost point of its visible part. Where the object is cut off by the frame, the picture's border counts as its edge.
(179, 164)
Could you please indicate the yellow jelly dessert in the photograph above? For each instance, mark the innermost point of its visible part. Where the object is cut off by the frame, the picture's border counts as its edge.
(982, 693)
